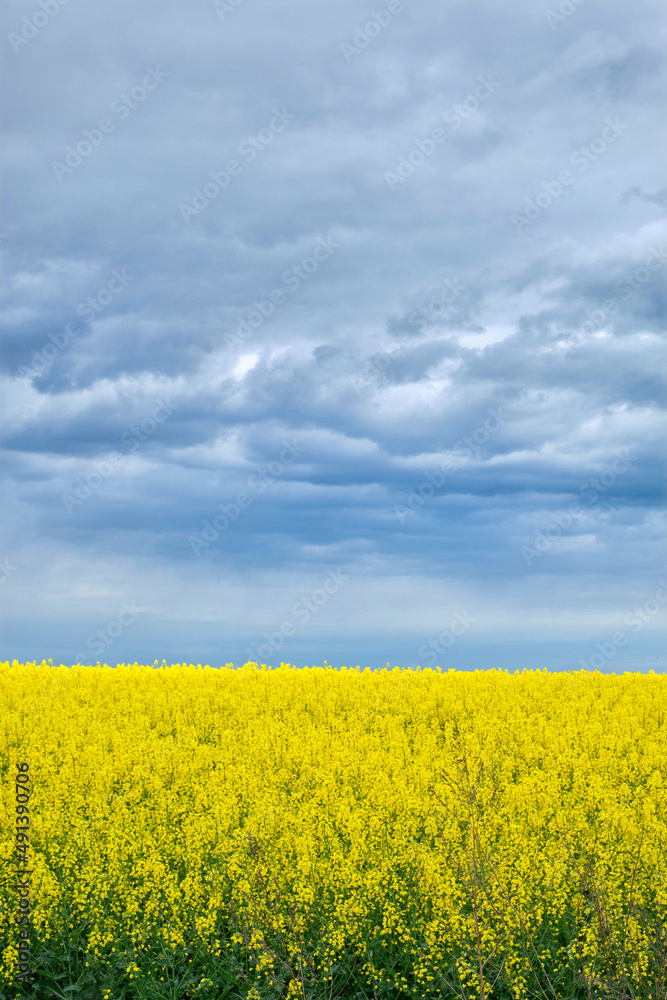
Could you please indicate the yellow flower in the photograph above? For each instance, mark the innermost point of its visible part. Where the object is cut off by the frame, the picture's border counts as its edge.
(437, 815)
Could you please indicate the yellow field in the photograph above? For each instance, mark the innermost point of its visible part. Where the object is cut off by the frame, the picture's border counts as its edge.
(426, 833)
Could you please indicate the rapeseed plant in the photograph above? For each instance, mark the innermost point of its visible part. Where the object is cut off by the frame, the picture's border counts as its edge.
(320, 833)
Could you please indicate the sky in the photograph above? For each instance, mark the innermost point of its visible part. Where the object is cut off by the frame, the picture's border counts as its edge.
(334, 332)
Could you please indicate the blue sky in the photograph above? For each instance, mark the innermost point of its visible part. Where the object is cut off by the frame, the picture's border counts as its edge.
(334, 330)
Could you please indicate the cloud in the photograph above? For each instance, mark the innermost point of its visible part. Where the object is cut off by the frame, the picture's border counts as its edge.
(301, 298)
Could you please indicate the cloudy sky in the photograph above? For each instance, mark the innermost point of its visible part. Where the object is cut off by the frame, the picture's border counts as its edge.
(334, 331)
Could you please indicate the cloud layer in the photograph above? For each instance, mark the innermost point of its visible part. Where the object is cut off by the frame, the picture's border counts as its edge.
(297, 289)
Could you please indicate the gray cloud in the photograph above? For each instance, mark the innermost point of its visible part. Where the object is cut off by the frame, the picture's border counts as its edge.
(228, 243)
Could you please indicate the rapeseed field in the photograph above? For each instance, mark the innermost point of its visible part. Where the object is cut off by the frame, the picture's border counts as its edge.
(319, 833)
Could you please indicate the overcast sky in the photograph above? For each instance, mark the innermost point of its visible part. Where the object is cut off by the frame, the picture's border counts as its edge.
(334, 330)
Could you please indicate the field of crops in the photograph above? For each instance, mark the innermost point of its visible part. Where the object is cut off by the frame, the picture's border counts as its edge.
(319, 833)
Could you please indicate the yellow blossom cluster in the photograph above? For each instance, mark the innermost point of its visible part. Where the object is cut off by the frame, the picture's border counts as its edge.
(444, 833)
